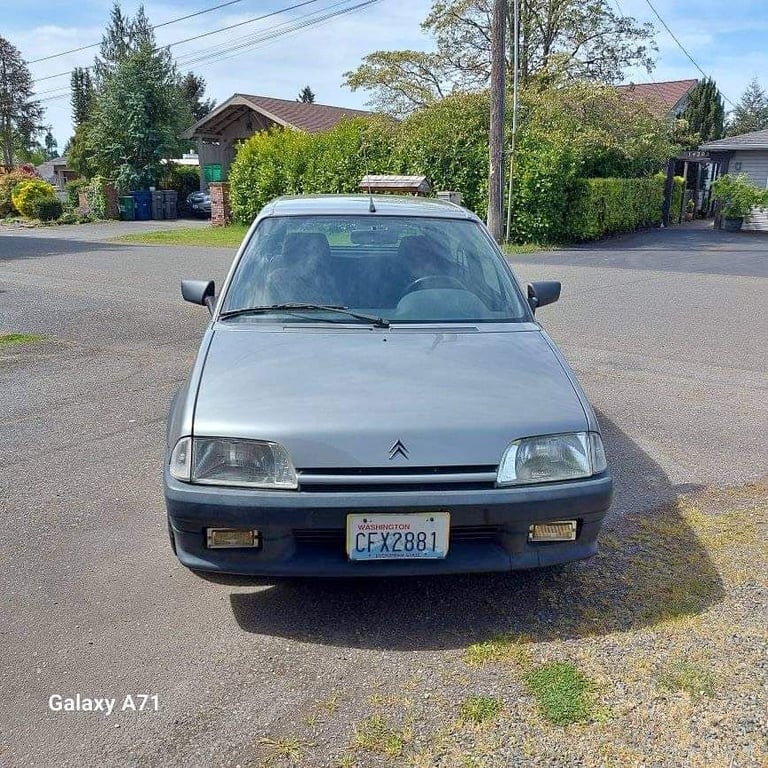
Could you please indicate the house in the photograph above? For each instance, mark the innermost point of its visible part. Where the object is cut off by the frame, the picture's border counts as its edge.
(56, 172)
(668, 99)
(747, 153)
(240, 116)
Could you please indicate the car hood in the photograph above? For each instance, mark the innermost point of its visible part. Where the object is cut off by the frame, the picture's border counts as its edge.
(341, 397)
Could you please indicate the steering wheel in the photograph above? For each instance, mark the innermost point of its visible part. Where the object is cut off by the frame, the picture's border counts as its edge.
(433, 281)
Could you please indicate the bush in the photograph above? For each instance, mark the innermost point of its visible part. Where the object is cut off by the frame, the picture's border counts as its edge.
(269, 164)
(47, 208)
(8, 181)
(448, 143)
(738, 195)
(182, 178)
(609, 206)
(72, 188)
(26, 194)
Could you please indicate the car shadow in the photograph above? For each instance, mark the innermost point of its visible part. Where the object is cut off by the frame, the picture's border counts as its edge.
(651, 567)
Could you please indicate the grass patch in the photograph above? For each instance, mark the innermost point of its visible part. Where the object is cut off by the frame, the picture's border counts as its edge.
(9, 339)
(285, 749)
(513, 249)
(480, 709)
(694, 679)
(374, 734)
(207, 237)
(498, 648)
(561, 692)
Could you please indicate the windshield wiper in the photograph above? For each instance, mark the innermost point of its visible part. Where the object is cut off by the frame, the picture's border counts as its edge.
(377, 322)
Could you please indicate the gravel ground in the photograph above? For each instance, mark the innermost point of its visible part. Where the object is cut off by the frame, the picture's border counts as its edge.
(668, 334)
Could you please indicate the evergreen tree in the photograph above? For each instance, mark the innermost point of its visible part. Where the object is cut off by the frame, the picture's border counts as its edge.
(751, 113)
(306, 95)
(82, 95)
(51, 145)
(20, 114)
(193, 90)
(705, 112)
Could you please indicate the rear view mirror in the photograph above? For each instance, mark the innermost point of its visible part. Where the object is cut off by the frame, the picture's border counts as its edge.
(199, 292)
(543, 292)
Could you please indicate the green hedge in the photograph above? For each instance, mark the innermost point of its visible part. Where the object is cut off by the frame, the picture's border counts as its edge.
(608, 206)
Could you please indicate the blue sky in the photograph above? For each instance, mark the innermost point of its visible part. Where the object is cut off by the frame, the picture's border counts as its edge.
(728, 40)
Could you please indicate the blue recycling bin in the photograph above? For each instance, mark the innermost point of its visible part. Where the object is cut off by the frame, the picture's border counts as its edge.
(142, 205)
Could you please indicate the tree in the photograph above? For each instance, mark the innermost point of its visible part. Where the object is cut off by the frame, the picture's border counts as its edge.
(751, 113)
(306, 95)
(137, 119)
(51, 145)
(123, 36)
(560, 40)
(82, 94)
(193, 90)
(20, 114)
(705, 112)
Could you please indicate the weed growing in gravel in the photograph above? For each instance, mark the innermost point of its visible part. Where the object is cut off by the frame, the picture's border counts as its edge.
(479, 709)
(374, 734)
(288, 749)
(18, 338)
(694, 679)
(561, 692)
(498, 648)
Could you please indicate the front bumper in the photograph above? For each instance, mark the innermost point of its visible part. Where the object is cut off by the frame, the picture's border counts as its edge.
(302, 533)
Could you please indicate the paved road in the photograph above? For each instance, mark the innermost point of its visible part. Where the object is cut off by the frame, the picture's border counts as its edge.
(667, 330)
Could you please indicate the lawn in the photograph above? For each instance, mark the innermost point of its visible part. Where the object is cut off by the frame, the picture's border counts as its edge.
(208, 237)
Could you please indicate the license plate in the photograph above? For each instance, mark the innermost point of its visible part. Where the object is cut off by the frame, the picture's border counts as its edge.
(422, 536)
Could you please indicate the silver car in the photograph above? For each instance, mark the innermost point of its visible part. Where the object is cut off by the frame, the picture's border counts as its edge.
(374, 397)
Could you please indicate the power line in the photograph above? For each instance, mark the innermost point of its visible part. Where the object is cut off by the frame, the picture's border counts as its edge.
(156, 26)
(206, 34)
(265, 37)
(682, 47)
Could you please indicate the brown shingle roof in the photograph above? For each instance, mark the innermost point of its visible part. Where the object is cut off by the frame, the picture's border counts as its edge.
(311, 118)
(660, 96)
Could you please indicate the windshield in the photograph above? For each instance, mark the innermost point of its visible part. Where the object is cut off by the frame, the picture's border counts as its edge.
(402, 269)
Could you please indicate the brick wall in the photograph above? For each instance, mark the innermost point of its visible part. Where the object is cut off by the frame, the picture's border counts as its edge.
(221, 213)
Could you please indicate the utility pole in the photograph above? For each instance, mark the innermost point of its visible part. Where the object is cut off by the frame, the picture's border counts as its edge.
(496, 137)
(515, 91)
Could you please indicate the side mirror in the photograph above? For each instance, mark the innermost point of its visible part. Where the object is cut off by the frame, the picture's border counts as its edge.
(199, 292)
(543, 292)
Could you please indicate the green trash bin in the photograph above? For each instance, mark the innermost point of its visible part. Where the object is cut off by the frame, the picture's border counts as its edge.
(125, 206)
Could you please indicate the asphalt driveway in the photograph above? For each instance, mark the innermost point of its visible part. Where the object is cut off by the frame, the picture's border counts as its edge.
(667, 331)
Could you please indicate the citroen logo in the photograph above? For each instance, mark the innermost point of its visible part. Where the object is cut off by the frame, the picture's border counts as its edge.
(398, 449)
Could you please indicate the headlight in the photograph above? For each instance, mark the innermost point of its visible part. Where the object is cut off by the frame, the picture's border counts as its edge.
(231, 461)
(552, 457)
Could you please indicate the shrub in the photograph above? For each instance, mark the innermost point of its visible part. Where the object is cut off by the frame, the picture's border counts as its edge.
(448, 143)
(47, 208)
(72, 188)
(8, 181)
(97, 201)
(26, 194)
(182, 178)
(608, 206)
(738, 195)
(269, 164)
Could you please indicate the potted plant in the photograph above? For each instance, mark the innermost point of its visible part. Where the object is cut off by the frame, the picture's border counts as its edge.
(737, 196)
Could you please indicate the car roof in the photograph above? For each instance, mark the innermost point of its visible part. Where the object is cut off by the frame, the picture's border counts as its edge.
(385, 205)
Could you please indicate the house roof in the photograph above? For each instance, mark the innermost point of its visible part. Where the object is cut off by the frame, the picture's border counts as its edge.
(661, 96)
(311, 118)
(754, 140)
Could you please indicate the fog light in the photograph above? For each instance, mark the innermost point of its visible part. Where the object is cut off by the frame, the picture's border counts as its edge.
(228, 538)
(562, 530)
